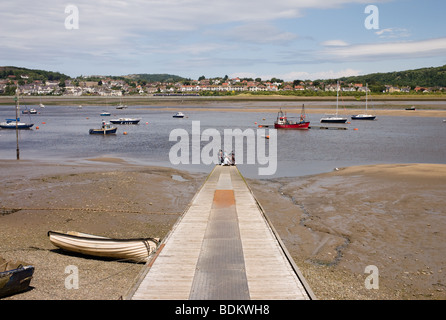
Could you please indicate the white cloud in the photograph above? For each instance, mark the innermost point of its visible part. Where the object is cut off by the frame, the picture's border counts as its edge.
(260, 33)
(334, 43)
(392, 33)
(389, 50)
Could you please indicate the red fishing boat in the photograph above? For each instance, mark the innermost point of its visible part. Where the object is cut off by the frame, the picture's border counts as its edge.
(283, 122)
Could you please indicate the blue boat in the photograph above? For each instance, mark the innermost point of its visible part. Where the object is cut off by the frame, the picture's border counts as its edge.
(105, 114)
(106, 128)
(15, 124)
(14, 277)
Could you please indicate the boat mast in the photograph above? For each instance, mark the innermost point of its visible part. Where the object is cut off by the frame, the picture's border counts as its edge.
(366, 89)
(17, 120)
(337, 97)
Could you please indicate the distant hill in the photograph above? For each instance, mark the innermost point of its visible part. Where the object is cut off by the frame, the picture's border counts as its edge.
(32, 74)
(157, 77)
(424, 77)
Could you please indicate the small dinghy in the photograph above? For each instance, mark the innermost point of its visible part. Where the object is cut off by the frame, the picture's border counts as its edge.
(106, 128)
(136, 250)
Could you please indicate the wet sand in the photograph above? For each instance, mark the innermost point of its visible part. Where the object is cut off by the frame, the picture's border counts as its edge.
(338, 223)
(334, 224)
(105, 197)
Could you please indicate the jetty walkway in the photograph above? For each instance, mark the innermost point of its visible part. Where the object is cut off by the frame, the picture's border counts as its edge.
(221, 248)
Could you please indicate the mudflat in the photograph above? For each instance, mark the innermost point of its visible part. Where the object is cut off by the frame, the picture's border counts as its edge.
(333, 224)
(336, 224)
(104, 196)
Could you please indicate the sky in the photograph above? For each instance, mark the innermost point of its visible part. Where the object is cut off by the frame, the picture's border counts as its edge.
(285, 39)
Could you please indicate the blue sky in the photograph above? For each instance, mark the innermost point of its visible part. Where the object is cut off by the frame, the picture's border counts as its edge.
(286, 39)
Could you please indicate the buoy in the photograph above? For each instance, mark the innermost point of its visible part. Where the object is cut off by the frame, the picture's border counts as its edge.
(147, 123)
(43, 122)
(267, 137)
(87, 117)
(355, 129)
(260, 126)
(255, 122)
(348, 122)
(37, 128)
(263, 119)
(125, 132)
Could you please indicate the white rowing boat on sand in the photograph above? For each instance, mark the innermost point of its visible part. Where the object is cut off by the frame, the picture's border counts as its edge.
(137, 250)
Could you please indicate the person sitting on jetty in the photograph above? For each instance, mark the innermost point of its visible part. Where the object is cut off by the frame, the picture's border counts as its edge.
(226, 160)
(220, 156)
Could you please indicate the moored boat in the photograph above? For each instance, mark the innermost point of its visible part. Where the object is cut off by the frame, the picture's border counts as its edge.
(283, 122)
(30, 111)
(364, 116)
(105, 114)
(125, 121)
(136, 250)
(15, 277)
(15, 124)
(178, 115)
(334, 118)
(106, 128)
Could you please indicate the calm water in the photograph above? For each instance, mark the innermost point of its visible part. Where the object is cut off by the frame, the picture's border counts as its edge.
(65, 137)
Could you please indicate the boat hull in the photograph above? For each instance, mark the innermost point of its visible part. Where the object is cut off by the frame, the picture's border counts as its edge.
(32, 111)
(363, 117)
(12, 125)
(16, 279)
(136, 250)
(125, 121)
(103, 131)
(298, 126)
(336, 120)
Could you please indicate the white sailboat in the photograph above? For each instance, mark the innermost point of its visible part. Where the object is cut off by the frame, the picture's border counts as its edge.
(41, 104)
(334, 118)
(364, 116)
(121, 106)
(15, 123)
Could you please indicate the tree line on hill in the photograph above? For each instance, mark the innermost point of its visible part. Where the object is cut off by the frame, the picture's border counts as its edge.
(424, 77)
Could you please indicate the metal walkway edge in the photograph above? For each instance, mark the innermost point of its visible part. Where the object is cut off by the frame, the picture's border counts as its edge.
(222, 248)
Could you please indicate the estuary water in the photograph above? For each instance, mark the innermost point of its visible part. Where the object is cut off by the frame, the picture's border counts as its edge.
(63, 136)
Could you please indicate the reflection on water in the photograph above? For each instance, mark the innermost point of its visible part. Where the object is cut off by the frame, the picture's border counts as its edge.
(63, 135)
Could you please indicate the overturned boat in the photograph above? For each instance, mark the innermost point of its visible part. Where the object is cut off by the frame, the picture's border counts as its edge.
(15, 277)
(136, 250)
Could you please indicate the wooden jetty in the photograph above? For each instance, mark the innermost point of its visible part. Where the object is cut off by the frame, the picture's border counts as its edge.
(221, 248)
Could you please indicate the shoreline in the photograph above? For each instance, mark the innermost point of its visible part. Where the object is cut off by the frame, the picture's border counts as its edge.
(161, 100)
(396, 224)
(385, 107)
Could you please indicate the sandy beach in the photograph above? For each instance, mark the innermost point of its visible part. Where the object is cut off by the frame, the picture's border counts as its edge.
(338, 223)
(334, 224)
(104, 196)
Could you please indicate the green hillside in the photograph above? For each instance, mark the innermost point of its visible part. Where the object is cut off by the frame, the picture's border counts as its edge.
(424, 77)
(157, 77)
(32, 74)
